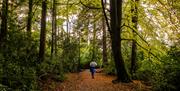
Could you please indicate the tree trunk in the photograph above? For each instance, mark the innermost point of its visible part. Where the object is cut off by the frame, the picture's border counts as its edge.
(54, 30)
(79, 61)
(67, 17)
(29, 21)
(88, 33)
(55, 39)
(43, 31)
(134, 11)
(133, 57)
(94, 42)
(4, 17)
(104, 42)
(3, 37)
(116, 18)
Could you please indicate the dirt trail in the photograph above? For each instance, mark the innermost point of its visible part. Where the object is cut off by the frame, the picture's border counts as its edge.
(83, 82)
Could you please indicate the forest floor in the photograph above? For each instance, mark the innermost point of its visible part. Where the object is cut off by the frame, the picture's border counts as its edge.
(83, 82)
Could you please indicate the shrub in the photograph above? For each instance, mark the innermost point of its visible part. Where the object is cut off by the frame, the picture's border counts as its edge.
(168, 76)
(18, 65)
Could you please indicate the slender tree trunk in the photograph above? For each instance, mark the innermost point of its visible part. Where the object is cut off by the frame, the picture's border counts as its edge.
(94, 41)
(134, 11)
(79, 62)
(104, 38)
(116, 18)
(88, 37)
(55, 39)
(3, 37)
(43, 31)
(67, 17)
(54, 30)
(104, 42)
(133, 57)
(88, 34)
(4, 26)
(29, 21)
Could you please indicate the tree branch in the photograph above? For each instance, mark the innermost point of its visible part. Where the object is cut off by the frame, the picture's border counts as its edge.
(136, 33)
(90, 7)
(149, 51)
(105, 16)
(68, 3)
(127, 39)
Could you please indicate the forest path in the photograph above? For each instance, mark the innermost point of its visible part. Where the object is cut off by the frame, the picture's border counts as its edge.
(83, 82)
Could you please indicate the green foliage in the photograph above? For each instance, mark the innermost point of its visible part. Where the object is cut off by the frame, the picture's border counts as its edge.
(167, 77)
(110, 68)
(70, 55)
(144, 71)
(87, 55)
(51, 65)
(18, 62)
(162, 75)
(19, 69)
(51, 68)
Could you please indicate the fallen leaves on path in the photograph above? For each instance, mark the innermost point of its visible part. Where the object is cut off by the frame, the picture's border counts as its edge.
(83, 82)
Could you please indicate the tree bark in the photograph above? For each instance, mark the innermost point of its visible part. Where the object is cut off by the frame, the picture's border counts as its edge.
(4, 26)
(116, 18)
(54, 30)
(133, 57)
(43, 31)
(104, 42)
(29, 21)
(3, 37)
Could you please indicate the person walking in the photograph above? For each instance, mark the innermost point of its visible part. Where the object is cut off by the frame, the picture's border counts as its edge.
(92, 65)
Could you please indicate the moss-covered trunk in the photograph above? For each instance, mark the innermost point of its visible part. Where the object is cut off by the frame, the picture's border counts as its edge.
(116, 18)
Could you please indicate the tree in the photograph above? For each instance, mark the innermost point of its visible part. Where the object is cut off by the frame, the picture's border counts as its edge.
(4, 18)
(54, 30)
(67, 19)
(94, 41)
(115, 32)
(43, 31)
(134, 11)
(29, 21)
(104, 39)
